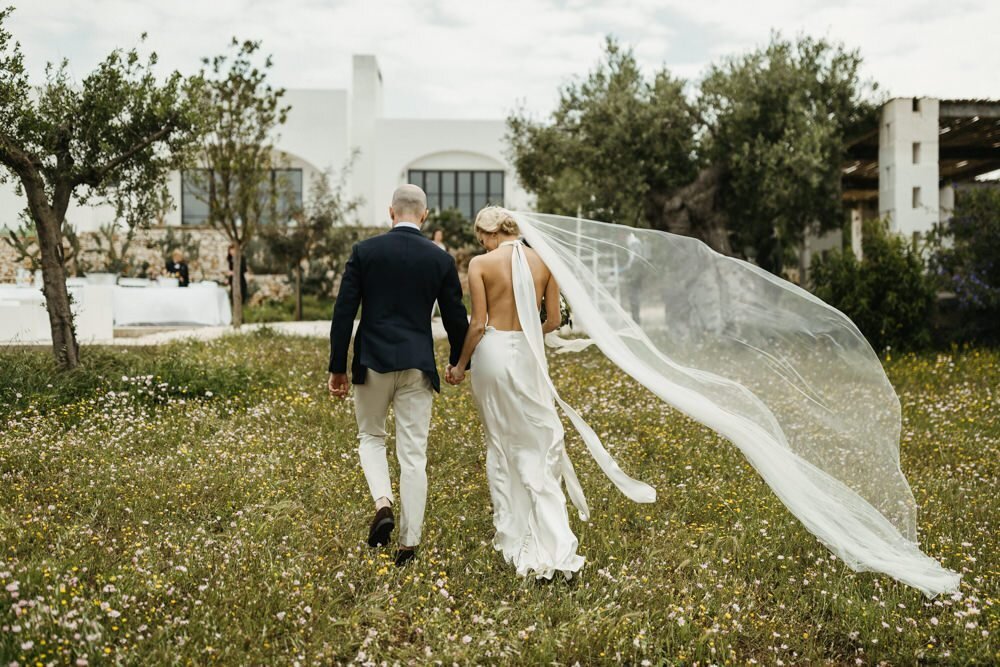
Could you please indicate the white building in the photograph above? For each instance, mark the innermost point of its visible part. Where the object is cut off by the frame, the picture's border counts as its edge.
(460, 163)
(907, 168)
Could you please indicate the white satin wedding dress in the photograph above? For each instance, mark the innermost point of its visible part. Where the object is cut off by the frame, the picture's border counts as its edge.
(526, 460)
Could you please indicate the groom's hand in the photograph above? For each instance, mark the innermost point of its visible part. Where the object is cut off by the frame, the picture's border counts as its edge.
(338, 384)
(454, 376)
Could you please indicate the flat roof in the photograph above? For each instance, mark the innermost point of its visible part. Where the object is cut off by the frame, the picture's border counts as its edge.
(968, 145)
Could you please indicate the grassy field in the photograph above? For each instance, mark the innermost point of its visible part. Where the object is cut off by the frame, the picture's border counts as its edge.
(202, 503)
(313, 308)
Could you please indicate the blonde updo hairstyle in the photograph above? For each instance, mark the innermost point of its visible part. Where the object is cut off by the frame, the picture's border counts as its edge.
(495, 220)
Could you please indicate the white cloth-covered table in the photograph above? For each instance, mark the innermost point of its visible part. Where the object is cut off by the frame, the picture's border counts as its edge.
(23, 318)
(20, 293)
(201, 303)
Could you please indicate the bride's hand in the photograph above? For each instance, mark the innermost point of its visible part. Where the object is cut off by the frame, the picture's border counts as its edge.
(454, 376)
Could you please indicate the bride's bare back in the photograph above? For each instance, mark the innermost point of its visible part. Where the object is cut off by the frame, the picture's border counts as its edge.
(492, 272)
(491, 285)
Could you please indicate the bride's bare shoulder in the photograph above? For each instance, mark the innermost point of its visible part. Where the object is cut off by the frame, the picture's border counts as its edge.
(481, 264)
(534, 259)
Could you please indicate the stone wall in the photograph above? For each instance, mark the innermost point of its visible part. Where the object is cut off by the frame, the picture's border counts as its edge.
(8, 267)
(145, 254)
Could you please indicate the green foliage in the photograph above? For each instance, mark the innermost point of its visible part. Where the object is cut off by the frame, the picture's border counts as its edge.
(24, 242)
(965, 257)
(615, 147)
(778, 119)
(111, 139)
(887, 294)
(459, 234)
(111, 249)
(32, 380)
(314, 307)
(316, 242)
(241, 113)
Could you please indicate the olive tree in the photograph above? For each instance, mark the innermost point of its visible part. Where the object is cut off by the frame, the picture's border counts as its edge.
(242, 112)
(617, 145)
(109, 139)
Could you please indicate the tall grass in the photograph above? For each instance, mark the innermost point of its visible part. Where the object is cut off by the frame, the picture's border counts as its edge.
(230, 529)
(30, 377)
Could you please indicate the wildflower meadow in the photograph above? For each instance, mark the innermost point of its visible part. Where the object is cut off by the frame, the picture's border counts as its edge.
(202, 503)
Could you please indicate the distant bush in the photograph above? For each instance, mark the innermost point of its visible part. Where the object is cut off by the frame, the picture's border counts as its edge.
(965, 258)
(313, 308)
(886, 294)
(458, 231)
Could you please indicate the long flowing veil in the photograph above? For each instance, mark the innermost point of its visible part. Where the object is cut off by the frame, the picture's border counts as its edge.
(785, 377)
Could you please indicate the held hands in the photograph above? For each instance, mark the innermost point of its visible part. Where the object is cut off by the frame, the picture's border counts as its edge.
(454, 375)
(338, 385)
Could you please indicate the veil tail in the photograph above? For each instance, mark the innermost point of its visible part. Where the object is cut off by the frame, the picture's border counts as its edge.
(788, 379)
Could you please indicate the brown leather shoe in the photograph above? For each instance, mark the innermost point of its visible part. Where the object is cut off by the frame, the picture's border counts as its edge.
(381, 528)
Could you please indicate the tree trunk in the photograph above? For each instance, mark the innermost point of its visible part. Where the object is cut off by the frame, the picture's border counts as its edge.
(298, 292)
(696, 210)
(238, 286)
(64, 345)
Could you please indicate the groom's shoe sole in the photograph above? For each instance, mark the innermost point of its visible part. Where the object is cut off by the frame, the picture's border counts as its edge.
(381, 529)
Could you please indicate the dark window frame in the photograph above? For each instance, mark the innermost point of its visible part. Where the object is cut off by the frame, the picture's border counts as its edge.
(436, 200)
(273, 181)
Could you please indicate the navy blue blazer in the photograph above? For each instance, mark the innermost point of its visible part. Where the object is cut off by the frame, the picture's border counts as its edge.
(395, 278)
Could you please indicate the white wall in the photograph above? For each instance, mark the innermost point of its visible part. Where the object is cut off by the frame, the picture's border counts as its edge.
(366, 108)
(322, 130)
(316, 131)
(390, 147)
(438, 144)
(946, 198)
(83, 218)
(901, 127)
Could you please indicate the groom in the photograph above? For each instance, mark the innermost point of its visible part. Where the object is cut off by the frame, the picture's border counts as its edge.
(395, 278)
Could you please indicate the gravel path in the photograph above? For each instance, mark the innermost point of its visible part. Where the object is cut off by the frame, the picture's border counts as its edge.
(310, 329)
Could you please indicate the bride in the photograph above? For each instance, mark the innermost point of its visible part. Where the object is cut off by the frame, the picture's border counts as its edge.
(525, 454)
(783, 376)
(526, 460)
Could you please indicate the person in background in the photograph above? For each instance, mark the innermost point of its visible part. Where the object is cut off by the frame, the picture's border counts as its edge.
(178, 268)
(243, 273)
(439, 239)
(635, 271)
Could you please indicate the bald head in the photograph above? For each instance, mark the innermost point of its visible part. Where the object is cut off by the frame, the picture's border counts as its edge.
(409, 204)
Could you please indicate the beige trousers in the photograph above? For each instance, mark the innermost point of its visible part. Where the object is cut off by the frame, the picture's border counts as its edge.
(411, 396)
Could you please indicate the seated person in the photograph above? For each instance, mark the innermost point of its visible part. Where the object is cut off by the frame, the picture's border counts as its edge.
(178, 268)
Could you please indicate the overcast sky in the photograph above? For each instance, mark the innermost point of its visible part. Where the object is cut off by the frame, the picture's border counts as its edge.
(480, 59)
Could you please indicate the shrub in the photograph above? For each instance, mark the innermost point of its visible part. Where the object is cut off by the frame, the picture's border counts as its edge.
(313, 308)
(458, 231)
(886, 294)
(965, 258)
